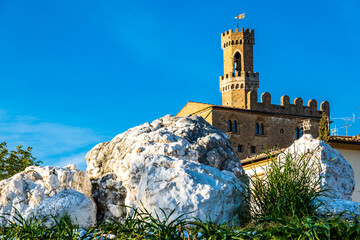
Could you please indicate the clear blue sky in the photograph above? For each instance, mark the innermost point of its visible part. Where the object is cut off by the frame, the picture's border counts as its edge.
(75, 73)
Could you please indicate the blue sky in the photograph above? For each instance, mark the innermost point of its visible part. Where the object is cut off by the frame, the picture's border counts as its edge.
(74, 73)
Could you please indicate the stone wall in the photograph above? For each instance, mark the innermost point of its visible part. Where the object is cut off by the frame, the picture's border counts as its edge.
(279, 131)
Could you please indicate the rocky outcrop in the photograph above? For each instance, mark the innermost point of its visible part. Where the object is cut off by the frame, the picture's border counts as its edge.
(337, 173)
(349, 210)
(109, 195)
(25, 190)
(173, 162)
(77, 206)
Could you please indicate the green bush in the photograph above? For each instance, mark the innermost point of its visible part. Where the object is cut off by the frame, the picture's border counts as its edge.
(288, 188)
(14, 161)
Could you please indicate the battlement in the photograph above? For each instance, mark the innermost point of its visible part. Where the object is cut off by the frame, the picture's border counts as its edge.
(286, 107)
(236, 37)
(236, 32)
(240, 74)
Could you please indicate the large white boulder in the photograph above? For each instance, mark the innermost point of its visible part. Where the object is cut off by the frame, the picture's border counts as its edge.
(173, 162)
(79, 207)
(25, 190)
(334, 207)
(337, 173)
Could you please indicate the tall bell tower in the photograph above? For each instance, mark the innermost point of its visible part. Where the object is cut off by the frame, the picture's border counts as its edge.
(239, 77)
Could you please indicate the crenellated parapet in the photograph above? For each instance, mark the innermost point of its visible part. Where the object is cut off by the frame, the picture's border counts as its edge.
(285, 107)
(236, 37)
(248, 81)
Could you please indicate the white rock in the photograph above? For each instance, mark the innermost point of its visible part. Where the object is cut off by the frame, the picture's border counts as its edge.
(337, 173)
(333, 207)
(80, 208)
(27, 189)
(163, 164)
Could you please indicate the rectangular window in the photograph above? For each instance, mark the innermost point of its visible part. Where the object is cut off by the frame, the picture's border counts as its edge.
(253, 149)
(239, 148)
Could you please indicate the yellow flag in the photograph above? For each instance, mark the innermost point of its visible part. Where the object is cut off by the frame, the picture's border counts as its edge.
(240, 16)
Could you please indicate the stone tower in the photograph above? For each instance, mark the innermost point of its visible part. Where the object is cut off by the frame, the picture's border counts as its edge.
(239, 77)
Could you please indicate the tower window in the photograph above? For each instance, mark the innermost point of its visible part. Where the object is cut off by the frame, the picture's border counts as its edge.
(229, 126)
(235, 127)
(237, 62)
(257, 129)
(239, 148)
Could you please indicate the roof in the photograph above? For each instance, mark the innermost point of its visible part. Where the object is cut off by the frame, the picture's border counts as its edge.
(345, 142)
(262, 156)
(345, 139)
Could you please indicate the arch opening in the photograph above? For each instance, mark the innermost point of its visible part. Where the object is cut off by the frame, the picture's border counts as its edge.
(237, 64)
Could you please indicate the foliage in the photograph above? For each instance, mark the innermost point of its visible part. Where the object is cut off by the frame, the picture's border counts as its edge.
(143, 225)
(324, 131)
(288, 188)
(14, 161)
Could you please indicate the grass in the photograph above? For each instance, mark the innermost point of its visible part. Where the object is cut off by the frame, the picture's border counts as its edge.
(283, 207)
(287, 189)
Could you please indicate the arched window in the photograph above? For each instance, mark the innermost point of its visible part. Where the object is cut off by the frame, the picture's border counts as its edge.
(235, 127)
(261, 129)
(229, 126)
(237, 62)
(257, 129)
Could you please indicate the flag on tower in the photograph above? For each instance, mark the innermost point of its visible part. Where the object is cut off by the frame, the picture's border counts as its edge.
(240, 16)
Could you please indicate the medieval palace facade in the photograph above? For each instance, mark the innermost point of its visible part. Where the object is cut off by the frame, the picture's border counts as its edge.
(253, 127)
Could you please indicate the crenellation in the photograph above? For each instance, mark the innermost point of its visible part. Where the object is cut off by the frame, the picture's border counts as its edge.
(298, 102)
(296, 109)
(325, 107)
(285, 101)
(312, 104)
(266, 99)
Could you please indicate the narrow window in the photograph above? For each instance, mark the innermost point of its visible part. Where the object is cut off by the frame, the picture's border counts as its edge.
(229, 126)
(261, 129)
(239, 148)
(235, 127)
(301, 132)
(237, 63)
(297, 133)
(253, 149)
(257, 129)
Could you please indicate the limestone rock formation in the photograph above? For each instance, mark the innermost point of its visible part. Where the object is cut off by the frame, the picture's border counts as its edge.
(337, 173)
(333, 207)
(25, 190)
(80, 208)
(173, 162)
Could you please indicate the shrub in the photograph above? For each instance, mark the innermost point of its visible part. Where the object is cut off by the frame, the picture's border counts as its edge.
(14, 161)
(288, 188)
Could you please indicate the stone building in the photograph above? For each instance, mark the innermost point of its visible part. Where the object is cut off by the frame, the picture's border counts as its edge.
(253, 127)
